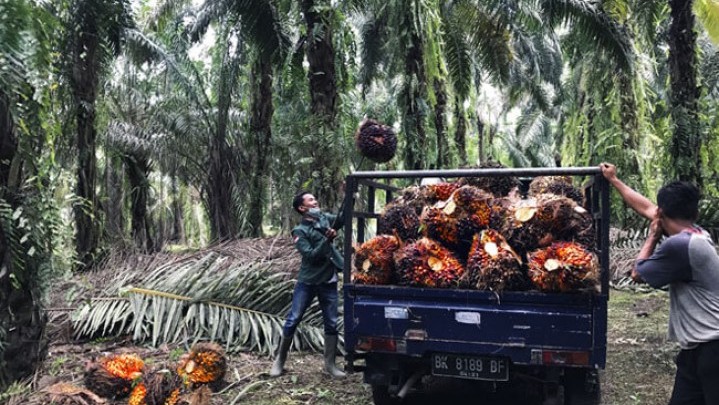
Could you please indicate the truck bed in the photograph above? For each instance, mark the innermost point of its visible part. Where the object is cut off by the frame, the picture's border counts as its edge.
(509, 324)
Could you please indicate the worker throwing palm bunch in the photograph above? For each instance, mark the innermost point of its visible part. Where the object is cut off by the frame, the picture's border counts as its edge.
(688, 263)
(321, 261)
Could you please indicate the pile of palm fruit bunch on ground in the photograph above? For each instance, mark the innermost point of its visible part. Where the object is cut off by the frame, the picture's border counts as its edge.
(198, 373)
(481, 233)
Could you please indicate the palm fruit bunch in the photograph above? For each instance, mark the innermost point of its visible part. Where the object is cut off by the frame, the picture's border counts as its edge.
(499, 186)
(426, 263)
(523, 228)
(413, 196)
(438, 223)
(158, 388)
(563, 267)
(557, 185)
(112, 376)
(374, 260)
(399, 219)
(376, 141)
(567, 220)
(493, 265)
(438, 192)
(473, 211)
(204, 364)
(540, 220)
(455, 220)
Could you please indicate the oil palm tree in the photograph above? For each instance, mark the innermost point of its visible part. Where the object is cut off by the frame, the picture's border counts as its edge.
(29, 217)
(95, 31)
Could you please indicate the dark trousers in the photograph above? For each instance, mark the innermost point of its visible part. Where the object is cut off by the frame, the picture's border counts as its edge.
(302, 297)
(697, 379)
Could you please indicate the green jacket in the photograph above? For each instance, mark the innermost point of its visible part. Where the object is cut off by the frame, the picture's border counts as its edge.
(320, 258)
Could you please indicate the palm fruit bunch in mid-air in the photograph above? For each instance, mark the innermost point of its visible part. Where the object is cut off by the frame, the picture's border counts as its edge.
(399, 219)
(563, 267)
(426, 263)
(499, 186)
(493, 265)
(157, 388)
(557, 185)
(376, 141)
(112, 376)
(204, 364)
(374, 260)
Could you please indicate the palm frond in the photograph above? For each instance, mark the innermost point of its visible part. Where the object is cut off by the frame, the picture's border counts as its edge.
(205, 298)
(707, 12)
(586, 20)
(457, 54)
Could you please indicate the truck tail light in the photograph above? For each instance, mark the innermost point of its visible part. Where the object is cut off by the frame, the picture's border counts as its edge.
(376, 344)
(565, 357)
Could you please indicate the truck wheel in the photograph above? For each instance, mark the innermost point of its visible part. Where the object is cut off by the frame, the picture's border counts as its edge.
(381, 396)
(581, 387)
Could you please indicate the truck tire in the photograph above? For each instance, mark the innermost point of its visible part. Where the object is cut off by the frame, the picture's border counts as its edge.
(582, 387)
(381, 396)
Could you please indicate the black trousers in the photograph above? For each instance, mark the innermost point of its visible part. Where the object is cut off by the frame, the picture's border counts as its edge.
(697, 379)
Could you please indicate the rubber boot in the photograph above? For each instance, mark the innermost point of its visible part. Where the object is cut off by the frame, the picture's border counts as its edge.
(279, 365)
(330, 353)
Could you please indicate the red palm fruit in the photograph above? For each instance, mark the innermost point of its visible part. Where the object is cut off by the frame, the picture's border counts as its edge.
(399, 219)
(563, 267)
(204, 364)
(376, 141)
(439, 191)
(426, 263)
(499, 186)
(374, 260)
(557, 185)
(112, 376)
(493, 264)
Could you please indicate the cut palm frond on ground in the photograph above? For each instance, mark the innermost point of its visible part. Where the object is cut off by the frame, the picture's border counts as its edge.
(211, 297)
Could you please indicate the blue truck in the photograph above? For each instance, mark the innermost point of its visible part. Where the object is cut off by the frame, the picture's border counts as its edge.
(553, 343)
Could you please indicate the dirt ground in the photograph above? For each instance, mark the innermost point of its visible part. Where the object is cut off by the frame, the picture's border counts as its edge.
(639, 368)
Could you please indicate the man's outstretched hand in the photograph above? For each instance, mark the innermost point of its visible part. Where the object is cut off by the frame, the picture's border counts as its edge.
(609, 171)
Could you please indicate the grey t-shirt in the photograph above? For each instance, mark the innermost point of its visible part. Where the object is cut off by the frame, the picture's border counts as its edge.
(689, 264)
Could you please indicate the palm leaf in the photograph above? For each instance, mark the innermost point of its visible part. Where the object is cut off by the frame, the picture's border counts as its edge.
(594, 26)
(205, 298)
(707, 12)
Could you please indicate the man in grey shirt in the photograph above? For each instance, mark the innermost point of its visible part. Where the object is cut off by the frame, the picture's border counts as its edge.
(687, 261)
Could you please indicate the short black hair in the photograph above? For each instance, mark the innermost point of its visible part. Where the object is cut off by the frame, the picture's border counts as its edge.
(679, 200)
(299, 200)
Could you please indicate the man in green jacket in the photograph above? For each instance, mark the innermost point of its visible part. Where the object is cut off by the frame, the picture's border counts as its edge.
(321, 261)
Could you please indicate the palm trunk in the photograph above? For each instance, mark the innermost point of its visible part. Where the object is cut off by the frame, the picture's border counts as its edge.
(8, 142)
(262, 110)
(138, 168)
(84, 83)
(482, 158)
(22, 344)
(178, 223)
(321, 59)
(114, 187)
(440, 119)
(415, 91)
(686, 140)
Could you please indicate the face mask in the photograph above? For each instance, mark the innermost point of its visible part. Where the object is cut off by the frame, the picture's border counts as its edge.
(314, 213)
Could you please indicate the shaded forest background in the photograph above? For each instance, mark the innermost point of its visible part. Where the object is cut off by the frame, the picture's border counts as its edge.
(165, 125)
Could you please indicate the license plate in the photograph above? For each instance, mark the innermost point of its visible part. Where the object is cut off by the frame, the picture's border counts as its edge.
(470, 367)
